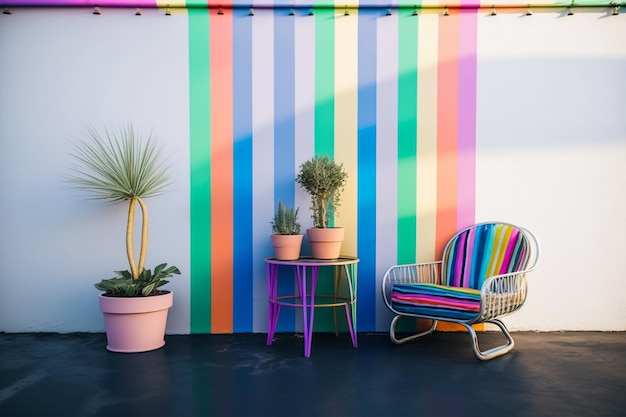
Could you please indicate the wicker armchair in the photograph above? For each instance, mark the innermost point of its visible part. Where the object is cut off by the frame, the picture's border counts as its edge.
(481, 277)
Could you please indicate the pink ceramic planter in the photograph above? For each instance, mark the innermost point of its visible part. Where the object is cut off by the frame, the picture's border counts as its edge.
(287, 247)
(325, 243)
(135, 324)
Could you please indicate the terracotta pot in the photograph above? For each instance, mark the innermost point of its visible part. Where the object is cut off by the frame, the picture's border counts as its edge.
(287, 247)
(325, 243)
(135, 324)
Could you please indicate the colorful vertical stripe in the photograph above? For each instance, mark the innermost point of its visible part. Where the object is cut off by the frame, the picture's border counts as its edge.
(262, 99)
(284, 128)
(200, 175)
(407, 137)
(324, 142)
(243, 272)
(346, 91)
(386, 158)
(447, 128)
(366, 148)
(466, 191)
(221, 52)
(427, 99)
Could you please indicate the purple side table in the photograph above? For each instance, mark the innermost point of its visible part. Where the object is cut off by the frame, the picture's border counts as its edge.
(306, 300)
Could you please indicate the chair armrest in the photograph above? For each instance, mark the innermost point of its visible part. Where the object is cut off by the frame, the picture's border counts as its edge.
(502, 295)
(422, 273)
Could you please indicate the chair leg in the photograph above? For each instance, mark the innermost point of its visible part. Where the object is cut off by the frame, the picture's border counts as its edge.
(493, 352)
(392, 331)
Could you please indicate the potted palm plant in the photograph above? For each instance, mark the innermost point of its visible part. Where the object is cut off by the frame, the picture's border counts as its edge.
(286, 237)
(122, 166)
(324, 180)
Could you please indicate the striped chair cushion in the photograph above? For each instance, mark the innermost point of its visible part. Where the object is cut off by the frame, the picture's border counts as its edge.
(480, 252)
(436, 300)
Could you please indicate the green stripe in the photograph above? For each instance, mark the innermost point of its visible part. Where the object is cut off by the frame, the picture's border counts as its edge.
(325, 132)
(200, 165)
(407, 136)
(325, 82)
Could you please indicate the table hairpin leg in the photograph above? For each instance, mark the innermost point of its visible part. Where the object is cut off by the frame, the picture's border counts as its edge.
(273, 308)
(336, 291)
(308, 307)
(351, 305)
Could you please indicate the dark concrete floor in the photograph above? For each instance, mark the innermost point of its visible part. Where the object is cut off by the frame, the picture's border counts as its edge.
(547, 374)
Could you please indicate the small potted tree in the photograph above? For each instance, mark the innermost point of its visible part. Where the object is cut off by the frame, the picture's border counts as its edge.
(324, 180)
(286, 237)
(121, 166)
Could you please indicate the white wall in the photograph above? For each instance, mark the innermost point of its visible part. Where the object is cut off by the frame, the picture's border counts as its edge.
(67, 69)
(551, 156)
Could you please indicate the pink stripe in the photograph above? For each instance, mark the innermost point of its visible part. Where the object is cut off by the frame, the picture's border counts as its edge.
(509, 251)
(466, 189)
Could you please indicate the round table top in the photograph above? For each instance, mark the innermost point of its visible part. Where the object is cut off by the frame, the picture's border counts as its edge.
(310, 261)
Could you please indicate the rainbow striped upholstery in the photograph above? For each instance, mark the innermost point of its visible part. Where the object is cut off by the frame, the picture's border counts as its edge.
(436, 300)
(471, 257)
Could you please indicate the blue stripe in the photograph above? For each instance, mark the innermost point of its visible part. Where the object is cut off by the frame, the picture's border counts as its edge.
(284, 111)
(366, 185)
(284, 133)
(242, 175)
(477, 254)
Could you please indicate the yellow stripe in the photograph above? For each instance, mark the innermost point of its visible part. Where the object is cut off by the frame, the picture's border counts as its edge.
(176, 6)
(346, 122)
(507, 230)
(497, 254)
(427, 137)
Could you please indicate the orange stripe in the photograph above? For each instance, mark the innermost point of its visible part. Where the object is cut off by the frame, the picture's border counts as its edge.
(447, 137)
(447, 129)
(221, 172)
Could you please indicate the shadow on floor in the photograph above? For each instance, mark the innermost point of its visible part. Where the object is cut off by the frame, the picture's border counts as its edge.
(547, 374)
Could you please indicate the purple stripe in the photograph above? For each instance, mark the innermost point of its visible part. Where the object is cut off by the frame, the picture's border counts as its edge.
(459, 260)
(469, 251)
(466, 189)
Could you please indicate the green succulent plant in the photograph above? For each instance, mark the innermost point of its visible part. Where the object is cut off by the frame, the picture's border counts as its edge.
(124, 285)
(286, 220)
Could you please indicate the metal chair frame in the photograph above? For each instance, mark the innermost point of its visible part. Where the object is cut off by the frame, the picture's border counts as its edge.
(500, 295)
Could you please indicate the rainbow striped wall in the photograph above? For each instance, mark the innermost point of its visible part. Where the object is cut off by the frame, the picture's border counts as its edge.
(392, 97)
